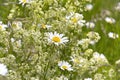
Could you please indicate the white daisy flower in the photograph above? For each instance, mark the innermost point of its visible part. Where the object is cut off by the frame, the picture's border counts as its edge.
(90, 25)
(2, 26)
(65, 65)
(113, 35)
(56, 38)
(3, 69)
(88, 79)
(24, 2)
(88, 7)
(110, 20)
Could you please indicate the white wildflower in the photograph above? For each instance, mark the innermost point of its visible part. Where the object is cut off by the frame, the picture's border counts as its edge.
(90, 25)
(113, 35)
(23, 2)
(3, 69)
(88, 7)
(110, 20)
(65, 65)
(88, 79)
(2, 26)
(76, 18)
(56, 38)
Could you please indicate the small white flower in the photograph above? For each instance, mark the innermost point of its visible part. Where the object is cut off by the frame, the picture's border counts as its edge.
(110, 20)
(2, 26)
(90, 25)
(113, 35)
(96, 55)
(63, 78)
(75, 18)
(24, 1)
(3, 69)
(92, 42)
(117, 7)
(17, 25)
(65, 65)
(75, 60)
(84, 43)
(81, 22)
(88, 79)
(89, 7)
(12, 40)
(56, 38)
(44, 26)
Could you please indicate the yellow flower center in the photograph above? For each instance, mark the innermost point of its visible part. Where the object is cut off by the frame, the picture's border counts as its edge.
(24, 1)
(43, 26)
(56, 39)
(64, 67)
(76, 61)
(74, 20)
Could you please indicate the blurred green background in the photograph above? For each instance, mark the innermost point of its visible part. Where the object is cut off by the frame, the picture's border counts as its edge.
(107, 46)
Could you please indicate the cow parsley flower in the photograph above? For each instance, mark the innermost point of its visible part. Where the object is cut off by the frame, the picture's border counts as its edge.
(3, 69)
(113, 35)
(65, 65)
(94, 37)
(75, 60)
(84, 43)
(76, 18)
(100, 59)
(56, 38)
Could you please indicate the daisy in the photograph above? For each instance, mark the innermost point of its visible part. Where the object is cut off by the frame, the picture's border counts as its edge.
(56, 38)
(3, 69)
(2, 26)
(24, 2)
(113, 35)
(65, 65)
(110, 20)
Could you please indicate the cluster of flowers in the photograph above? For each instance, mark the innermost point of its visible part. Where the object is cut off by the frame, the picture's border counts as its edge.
(51, 45)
